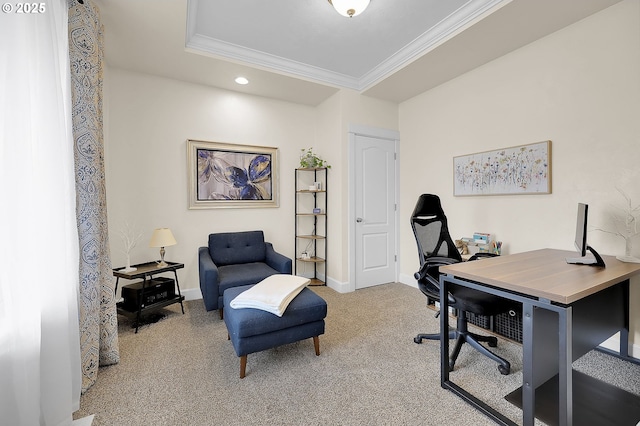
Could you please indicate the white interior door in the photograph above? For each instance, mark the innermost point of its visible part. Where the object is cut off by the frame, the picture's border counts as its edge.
(375, 211)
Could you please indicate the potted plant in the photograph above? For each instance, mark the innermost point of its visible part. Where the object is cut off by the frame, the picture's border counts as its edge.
(310, 160)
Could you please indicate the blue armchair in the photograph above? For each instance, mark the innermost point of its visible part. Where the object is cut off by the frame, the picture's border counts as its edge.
(234, 259)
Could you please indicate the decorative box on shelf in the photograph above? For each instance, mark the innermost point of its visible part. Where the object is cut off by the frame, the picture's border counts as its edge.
(156, 290)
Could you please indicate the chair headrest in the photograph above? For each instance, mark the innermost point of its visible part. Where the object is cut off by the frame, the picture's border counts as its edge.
(432, 240)
(428, 207)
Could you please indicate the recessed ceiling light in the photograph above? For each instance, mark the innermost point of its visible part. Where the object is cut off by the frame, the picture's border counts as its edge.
(242, 80)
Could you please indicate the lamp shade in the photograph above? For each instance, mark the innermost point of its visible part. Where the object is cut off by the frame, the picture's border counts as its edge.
(162, 237)
(349, 8)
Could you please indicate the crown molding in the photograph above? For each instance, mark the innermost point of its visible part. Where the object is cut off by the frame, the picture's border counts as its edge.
(429, 40)
(198, 43)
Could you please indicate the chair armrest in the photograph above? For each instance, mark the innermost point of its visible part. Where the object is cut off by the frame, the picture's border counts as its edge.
(277, 261)
(429, 274)
(482, 255)
(431, 265)
(208, 272)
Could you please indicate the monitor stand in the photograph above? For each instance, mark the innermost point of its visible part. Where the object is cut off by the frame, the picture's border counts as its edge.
(595, 261)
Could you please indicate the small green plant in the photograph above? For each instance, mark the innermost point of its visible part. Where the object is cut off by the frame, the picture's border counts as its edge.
(309, 160)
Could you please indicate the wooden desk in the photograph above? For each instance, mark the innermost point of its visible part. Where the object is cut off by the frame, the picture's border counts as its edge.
(582, 305)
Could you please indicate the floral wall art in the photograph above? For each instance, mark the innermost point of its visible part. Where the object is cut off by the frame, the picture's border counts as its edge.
(228, 175)
(524, 169)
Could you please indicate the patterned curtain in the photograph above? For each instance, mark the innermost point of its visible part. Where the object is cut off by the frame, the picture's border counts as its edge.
(98, 317)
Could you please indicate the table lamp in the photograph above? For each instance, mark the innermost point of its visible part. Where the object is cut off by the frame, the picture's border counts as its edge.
(162, 237)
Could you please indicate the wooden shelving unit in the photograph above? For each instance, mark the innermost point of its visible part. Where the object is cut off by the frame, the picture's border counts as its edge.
(311, 223)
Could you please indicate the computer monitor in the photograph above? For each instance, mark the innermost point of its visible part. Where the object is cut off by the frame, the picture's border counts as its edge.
(581, 229)
(581, 241)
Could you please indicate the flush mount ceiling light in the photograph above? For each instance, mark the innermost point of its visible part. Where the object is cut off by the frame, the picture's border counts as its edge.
(242, 80)
(349, 8)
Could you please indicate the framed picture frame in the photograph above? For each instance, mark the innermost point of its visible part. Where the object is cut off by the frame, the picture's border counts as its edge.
(523, 169)
(224, 175)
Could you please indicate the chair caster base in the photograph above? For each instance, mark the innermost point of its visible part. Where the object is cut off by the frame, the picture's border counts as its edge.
(417, 340)
(504, 370)
(493, 343)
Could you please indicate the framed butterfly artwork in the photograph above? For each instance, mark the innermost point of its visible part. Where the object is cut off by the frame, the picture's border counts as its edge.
(224, 175)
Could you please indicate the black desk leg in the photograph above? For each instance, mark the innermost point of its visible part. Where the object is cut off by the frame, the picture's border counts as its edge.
(565, 385)
(624, 333)
(528, 385)
(444, 334)
(445, 380)
(623, 351)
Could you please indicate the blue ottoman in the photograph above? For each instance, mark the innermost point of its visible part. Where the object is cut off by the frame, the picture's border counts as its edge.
(254, 330)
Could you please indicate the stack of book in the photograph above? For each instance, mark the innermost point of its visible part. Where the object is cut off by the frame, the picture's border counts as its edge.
(482, 242)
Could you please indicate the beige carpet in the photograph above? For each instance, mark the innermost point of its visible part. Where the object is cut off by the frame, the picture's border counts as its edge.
(182, 370)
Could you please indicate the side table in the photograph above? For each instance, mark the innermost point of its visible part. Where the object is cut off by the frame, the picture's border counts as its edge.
(146, 271)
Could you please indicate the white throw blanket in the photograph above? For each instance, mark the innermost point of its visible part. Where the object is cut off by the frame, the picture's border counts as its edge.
(273, 294)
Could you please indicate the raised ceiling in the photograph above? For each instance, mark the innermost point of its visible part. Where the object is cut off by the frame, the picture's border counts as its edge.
(303, 51)
(309, 39)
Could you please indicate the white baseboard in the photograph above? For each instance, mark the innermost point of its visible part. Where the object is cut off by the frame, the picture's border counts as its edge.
(613, 343)
(84, 421)
(191, 294)
(408, 280)
(338, 286)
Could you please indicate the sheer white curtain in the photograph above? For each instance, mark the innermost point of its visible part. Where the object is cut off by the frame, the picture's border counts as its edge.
(39, 342)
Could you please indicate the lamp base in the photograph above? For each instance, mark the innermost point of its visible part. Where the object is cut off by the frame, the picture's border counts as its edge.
(162, 263)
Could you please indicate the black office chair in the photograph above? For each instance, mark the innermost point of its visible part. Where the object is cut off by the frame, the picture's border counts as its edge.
(435, 249)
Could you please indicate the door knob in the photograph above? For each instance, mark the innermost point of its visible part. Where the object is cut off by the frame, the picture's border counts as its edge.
(358, 219)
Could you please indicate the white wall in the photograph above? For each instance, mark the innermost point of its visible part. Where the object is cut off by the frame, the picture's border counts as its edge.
(148, 120)
(148, 123)
(335, 115)
(579, 88)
